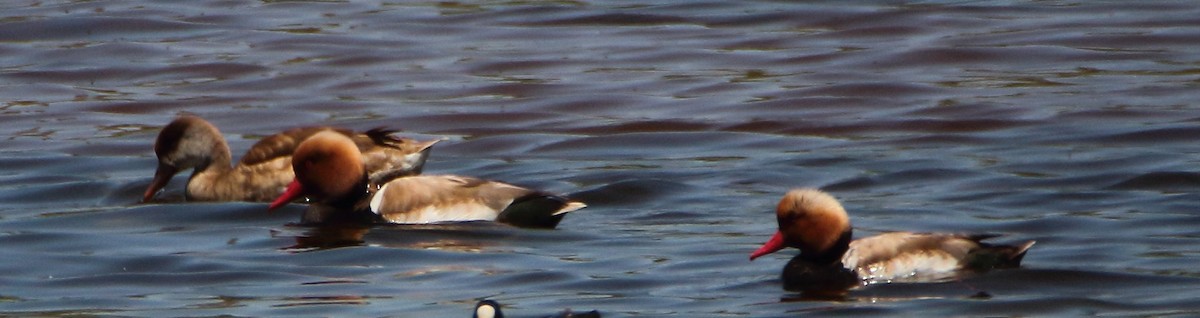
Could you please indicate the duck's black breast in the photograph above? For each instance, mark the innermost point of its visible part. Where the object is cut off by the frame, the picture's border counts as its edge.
(801, 274)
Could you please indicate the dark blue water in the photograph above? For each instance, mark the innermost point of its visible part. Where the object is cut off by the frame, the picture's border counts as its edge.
(681, 123)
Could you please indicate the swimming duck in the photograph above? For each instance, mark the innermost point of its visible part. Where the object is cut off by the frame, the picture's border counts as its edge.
(190, 142)
(330, 172)
(490, 309)
(815, 222)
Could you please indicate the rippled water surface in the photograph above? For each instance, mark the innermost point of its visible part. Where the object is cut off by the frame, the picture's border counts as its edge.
(681, 123)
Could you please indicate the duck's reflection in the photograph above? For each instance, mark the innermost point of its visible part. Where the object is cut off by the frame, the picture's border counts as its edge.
(471, 237)
(956, 288)
(329, 237)
(816, 295)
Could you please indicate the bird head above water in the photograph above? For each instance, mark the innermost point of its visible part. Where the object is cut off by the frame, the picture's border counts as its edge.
(185, 143)
(328, 167)
(810, 220)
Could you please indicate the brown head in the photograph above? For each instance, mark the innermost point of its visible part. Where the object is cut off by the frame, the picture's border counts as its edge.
(810, 220)
(329, 168)
(187, 142)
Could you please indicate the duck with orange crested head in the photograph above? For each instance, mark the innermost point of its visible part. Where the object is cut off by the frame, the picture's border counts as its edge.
(190, 142)
(815, 222)
(330, 172)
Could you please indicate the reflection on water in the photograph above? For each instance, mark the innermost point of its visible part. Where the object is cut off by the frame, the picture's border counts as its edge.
(318, 238)
(416, 236)
(679, 122)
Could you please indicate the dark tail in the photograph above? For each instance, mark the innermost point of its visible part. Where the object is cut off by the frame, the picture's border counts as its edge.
(538, 210)
(998, 256)
(1018, 253)
(382, 135)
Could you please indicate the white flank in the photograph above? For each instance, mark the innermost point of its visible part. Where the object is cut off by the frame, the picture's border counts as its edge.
(445, 213)
(915, 266)
(377, 199)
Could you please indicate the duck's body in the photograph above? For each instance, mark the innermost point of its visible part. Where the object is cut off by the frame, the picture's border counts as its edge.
(816, 223)
(263, 173)
(329, 171)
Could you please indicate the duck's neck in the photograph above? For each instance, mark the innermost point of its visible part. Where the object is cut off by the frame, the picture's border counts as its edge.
(355, 198)
(216, 179)
(216, 160)
(318, 213)
(833, 254)
(353, 208)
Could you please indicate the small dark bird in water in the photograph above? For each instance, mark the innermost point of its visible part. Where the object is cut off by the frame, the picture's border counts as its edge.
(490, 309)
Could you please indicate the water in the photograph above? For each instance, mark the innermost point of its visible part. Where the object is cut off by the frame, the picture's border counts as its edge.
(681, 123)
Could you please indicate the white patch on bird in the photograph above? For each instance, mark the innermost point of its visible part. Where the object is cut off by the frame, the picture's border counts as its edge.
(377, 199)
(930, 265)
(460, 212)
(572, 206)
(467, 210)
(485, 311)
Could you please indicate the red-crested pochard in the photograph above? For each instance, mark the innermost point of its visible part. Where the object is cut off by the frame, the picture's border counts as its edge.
(329, 172)
(815, 222)
(265, 170)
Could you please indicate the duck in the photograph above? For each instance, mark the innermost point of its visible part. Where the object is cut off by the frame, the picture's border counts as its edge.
(190, 142)
(817, 224)
(330, 172)
(491, 309)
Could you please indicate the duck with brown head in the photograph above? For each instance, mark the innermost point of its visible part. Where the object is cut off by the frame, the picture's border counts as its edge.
(815, 222)
(190, 142)
(329, 171)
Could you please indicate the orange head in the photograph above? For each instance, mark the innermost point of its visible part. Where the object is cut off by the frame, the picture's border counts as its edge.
(328, 167)
(810, 220)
